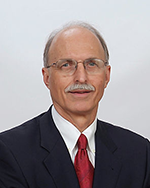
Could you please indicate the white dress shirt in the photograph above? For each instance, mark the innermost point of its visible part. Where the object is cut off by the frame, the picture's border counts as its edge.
(70, 134)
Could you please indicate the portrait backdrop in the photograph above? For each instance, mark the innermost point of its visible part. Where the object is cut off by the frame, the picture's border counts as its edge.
(25, 27)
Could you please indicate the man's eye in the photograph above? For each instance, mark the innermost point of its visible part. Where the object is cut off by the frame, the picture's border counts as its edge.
(92, 64)
(65, 65)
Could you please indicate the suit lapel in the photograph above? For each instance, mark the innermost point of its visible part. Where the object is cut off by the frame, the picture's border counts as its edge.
(107, 164)
(58, 161)
(59, 164)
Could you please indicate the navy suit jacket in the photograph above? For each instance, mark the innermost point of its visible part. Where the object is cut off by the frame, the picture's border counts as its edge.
(34, 155)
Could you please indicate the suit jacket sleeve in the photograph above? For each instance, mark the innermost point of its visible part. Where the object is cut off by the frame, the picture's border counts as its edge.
(10, 172)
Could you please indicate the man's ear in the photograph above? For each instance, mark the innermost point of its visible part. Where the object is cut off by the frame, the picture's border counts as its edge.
(108, 69)
(45, 76)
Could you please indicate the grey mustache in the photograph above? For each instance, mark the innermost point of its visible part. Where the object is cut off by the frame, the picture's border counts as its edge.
(88, 87)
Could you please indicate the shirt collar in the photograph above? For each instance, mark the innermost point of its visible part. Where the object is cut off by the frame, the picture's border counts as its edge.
(71, 134)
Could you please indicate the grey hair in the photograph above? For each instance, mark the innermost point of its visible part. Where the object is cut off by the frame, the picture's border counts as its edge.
(67, 26)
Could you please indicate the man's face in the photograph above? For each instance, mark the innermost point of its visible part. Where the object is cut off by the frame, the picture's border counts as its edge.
(78, 44)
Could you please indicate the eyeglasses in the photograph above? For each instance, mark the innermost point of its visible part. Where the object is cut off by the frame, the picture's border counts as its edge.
(69, 66)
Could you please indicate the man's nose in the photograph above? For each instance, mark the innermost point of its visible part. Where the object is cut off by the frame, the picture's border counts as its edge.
(80, 73)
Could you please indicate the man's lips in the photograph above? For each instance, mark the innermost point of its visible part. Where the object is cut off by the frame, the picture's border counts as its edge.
(80, 91)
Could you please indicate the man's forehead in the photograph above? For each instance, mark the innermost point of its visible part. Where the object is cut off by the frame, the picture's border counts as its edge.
(71, 33)
(77, 43)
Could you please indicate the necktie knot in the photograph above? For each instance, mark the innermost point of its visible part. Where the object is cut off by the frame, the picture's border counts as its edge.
(82, 142)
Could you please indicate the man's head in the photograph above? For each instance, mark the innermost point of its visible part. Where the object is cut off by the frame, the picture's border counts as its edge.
(77, 86)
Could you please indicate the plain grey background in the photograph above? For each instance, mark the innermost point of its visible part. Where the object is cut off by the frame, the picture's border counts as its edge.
(24, 30)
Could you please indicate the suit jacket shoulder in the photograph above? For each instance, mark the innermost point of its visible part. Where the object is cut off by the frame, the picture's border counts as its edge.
(125, 154)
(122, 138)
(35, 156)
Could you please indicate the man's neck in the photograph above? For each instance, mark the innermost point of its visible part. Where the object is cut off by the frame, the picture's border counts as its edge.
(80, 120)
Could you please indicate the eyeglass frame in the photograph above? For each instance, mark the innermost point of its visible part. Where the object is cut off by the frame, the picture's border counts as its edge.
(76, 62)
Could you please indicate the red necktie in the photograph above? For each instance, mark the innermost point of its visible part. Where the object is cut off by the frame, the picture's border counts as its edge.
(82, 164)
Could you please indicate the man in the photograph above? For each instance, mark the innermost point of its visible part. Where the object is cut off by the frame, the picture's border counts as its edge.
(50, 150)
